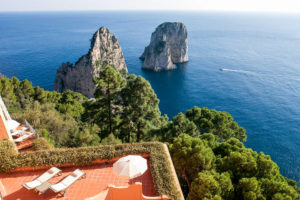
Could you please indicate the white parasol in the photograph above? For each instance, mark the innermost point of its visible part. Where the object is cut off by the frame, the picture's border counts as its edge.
(130, 166)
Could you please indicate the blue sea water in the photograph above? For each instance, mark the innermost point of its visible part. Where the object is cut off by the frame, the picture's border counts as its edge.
(258, 52)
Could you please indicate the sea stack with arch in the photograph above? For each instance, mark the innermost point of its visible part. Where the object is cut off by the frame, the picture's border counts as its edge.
(168, 46)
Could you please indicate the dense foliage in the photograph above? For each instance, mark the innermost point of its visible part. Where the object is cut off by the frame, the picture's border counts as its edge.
(55, 116)
(215, 169)
(206, 145)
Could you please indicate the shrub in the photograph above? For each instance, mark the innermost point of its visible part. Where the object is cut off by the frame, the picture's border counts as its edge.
(7, 148)
(7, 152)
(111, 139)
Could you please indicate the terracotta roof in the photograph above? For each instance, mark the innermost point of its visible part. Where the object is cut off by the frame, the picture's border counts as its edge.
(3, 131)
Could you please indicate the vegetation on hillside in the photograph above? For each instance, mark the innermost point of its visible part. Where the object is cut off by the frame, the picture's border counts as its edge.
(214, 169)
(55, 116)
(206, 145)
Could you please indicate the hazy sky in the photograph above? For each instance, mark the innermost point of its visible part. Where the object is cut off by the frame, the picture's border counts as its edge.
(224, 5)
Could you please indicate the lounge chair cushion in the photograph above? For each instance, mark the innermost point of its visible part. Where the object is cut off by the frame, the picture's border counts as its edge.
(32, 184)
(68, 181)
(24, 128)
(42, 178)
(78, 172)
(17, 132)
(58, 187)
(24, 137)
(46, 176)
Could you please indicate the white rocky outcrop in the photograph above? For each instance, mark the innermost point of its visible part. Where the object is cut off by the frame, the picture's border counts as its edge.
(105, 50)
(168, 46)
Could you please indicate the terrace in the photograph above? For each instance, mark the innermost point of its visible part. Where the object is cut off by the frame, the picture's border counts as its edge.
(159, 181)
(98, 177)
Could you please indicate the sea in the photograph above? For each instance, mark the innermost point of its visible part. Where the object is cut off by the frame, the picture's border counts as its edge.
(247, 64)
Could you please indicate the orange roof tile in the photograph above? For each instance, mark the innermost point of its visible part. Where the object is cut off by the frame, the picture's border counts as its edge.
(25, 144)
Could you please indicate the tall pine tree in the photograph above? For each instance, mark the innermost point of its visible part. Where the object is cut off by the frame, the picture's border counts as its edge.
(141, 112)
(107, 94)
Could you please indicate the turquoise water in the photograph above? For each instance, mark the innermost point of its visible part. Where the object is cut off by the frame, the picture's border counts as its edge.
(259, 54)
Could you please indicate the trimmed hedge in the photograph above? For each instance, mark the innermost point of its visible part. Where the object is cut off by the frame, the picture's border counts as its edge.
(40, 144)
(160, 167)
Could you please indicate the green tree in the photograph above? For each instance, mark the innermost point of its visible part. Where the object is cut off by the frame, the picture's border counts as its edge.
(141, 113)
(107, 94)
(71, 103)
(180, 125)
(278, 188)
(191, 156)
(249, 189)
(39, 94)
(211, 185)
(219, 123)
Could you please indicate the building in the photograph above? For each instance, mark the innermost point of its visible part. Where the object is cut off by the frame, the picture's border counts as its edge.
(21, 135)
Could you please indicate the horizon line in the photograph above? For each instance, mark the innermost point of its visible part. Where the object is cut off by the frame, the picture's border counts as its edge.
(156, 10)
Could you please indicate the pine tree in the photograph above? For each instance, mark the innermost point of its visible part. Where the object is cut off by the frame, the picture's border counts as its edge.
(141, 112)
(107, 94)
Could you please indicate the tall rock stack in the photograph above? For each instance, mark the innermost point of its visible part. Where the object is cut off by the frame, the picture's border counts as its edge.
(105, 50)
(168, 46)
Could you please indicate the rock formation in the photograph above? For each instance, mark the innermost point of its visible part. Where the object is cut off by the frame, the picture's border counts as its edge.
(168, 46)
(105, 50)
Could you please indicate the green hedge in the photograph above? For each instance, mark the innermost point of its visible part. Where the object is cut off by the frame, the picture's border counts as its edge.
(40, 144)
(160, 167)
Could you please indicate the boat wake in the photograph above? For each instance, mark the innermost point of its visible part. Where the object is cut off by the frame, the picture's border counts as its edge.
(264, 76)
(238, 71)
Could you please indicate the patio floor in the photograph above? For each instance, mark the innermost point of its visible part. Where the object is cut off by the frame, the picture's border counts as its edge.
(97, 178)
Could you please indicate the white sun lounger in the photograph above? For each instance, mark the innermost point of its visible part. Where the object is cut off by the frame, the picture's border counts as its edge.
(42, 178)
(64, 184)
(12, 124)
(23, 137)
(24, 128)
(18, 132)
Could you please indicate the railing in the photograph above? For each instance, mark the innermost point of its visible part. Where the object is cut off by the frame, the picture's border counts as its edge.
(31, 128)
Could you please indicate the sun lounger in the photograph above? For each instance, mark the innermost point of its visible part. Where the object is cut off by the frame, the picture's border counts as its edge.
(18, 132)
(42, 178)
(24, 128)
(12, 124)
(65, 183)
(23, 137)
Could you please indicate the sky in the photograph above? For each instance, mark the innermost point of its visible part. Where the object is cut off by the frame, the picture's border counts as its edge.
(203, 5)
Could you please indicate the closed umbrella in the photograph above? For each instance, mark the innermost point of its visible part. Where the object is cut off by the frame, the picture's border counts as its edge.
(130, 166)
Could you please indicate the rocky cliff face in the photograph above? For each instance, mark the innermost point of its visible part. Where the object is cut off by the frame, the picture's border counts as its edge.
(168, 46)
(105, 50)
